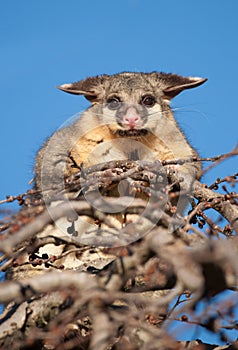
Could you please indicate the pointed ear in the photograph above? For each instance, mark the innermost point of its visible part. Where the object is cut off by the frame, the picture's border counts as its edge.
(91, 88)
(174, 84)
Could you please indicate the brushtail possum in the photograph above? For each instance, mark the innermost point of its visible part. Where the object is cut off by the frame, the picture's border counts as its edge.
(129, 118)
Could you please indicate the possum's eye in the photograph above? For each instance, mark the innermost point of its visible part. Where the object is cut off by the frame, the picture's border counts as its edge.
(148, 101)
(113, 103)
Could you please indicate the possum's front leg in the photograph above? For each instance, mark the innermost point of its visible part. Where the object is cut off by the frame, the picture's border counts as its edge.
(183, 178)
(52, 159)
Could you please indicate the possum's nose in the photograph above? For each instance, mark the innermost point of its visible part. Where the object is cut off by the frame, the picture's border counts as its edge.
(131, 118)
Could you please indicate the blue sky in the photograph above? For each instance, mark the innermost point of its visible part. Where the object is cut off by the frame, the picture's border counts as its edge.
(47, 43)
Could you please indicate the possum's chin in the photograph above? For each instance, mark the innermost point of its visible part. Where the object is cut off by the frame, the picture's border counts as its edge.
(132, 132)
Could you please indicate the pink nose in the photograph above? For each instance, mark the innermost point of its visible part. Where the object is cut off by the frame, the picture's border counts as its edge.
(131, 118)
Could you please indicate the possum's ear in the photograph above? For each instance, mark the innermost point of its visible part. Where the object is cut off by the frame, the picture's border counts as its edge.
(173, 84)
(92, 88)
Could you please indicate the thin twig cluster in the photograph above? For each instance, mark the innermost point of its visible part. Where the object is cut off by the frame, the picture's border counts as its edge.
(134, 276)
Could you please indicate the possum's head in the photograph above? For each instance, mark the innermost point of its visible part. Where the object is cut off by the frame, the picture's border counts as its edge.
(131, 103)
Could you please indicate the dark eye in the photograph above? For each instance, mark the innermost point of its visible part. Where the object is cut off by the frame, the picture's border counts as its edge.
(148, 101)
(113, 103)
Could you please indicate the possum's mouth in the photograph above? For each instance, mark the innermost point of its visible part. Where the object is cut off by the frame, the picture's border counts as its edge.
(132, 132)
